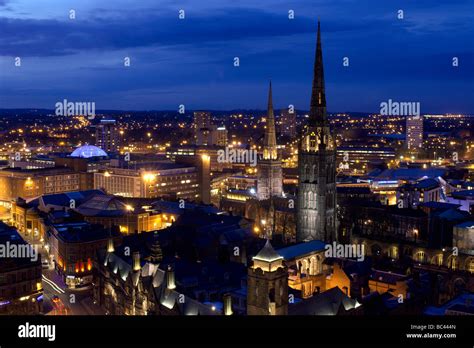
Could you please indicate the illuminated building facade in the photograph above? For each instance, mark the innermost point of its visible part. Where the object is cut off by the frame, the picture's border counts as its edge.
(267, 284)
(426, 190)
(219, 136)
(32, 183)
(107, 136)
(131, 215)
(414, 132)
(202, 127)
(206, 133)
(165, 180)
(191, 150)
(306, 271)
(202, 165)
(73, 247)
(359, 157)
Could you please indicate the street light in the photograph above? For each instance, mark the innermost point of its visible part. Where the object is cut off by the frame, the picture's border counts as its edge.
(148, 177)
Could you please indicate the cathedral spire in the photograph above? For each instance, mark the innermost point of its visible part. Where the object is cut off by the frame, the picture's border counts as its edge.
(270, 177)
(269, 143)
(270, 101)
(318, 115)
(316, 210)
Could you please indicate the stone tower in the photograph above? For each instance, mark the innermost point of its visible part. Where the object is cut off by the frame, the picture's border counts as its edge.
(316, 207)
(270, 177)
(267, 284)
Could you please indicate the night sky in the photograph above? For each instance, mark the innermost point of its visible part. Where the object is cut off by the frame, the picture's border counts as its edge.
(190, 61)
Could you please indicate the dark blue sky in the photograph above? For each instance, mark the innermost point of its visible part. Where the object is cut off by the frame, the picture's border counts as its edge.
(190, 61)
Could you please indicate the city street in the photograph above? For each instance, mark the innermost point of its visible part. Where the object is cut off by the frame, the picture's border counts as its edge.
(71, 301)
(57, 298)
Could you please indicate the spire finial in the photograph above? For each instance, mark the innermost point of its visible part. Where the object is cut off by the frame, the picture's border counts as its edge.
(318, 95)
(270, 101)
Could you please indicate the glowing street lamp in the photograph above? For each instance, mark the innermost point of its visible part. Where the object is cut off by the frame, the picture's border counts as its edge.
(148, 177)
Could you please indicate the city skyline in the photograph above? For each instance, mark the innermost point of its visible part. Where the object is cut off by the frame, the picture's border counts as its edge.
(284, 204)
(188, 61)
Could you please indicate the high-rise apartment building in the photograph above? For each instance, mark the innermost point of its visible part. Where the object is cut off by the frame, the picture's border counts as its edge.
(414, 132)
(106, 135)
(202, 127)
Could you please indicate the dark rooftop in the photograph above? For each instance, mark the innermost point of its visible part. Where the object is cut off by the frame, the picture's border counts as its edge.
(439, 205)
(63, 199)
(463, 194)
(76, 232)
(301, 249)
(387, 277)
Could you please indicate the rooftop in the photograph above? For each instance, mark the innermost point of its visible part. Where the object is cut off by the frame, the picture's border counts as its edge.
(387, 277)
(330, 302)
(409, 173)
(82, 232)
(9, 235)
(467, 224)
(37, 171)
(463, 194)
(268, 254)
(440, 205)
(427, 184)
(301, 249)
(462, 299)
(64, 199)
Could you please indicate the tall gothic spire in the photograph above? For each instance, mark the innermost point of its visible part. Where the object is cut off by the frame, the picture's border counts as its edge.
(316, 209)
(318, 115)
(269, 144)
(270, 177)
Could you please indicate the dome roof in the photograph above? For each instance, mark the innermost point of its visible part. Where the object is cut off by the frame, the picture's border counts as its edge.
(87, 151)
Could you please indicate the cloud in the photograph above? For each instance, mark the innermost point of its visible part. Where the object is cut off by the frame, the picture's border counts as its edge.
(193, 57)
(50, 37)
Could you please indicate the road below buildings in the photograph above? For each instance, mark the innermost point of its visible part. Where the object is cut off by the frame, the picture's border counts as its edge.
(59, 300)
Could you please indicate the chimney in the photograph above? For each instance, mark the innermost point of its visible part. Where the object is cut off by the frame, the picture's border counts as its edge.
(136, 261)
(110, 245)
(227, 304)
(170, 278)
